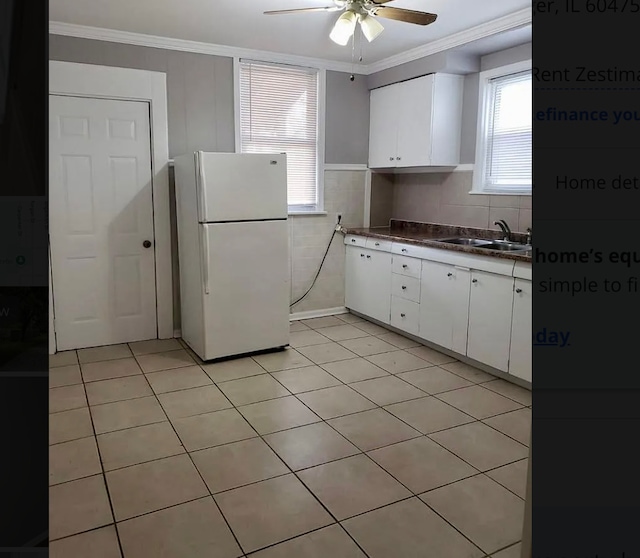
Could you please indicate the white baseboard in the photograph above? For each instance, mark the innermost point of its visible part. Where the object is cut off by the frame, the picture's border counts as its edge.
(317, 313)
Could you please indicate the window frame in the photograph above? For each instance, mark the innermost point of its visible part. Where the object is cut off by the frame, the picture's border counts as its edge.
(484, 104)
(318, 208)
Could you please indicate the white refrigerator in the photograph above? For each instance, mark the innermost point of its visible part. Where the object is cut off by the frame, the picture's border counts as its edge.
(233, 245)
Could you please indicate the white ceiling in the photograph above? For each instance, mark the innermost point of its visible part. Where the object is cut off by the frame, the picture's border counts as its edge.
(241, 23)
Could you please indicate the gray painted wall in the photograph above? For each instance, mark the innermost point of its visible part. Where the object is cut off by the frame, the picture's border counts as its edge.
(200, 97)
(201, 115)
(504, 57)
(444, 62)
(347, 119)
(199, 88)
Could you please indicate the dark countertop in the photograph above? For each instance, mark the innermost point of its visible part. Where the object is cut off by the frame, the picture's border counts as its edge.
(425, 234)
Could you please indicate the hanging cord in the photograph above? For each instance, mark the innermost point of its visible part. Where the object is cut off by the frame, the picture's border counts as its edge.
(335, 230)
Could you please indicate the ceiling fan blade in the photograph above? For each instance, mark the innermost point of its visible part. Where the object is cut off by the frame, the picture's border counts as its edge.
(379, 1)
(400, 14)
(300, 10)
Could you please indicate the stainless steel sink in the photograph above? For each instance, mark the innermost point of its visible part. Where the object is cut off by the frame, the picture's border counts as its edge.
(501, 245)
(505, 246)
(465, 241)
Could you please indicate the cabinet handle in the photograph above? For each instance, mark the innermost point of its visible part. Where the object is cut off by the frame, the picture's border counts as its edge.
(362, 255)
(404, 250)
(518, 290)
(398, 158)
(449, 274)
(404, 288)
(377, 244)
(353, 240)
(390, 158)
(368, 257)
(402, 315)
(474, 280)
(405, 266)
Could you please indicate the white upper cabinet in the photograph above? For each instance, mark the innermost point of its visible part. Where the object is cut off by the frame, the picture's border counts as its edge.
(416, 123)
(383, 130)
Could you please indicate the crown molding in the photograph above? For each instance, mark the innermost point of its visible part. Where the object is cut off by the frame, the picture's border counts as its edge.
(500, 25)
(153, 41)
(506, 23)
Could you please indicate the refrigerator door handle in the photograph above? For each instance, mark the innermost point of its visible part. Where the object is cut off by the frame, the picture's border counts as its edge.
(202, 187)
(205, 259)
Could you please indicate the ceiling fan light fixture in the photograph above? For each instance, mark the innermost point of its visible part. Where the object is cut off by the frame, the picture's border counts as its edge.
(344, 28)
(371, 27)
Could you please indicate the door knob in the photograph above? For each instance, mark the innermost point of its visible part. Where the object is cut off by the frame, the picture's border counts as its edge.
(518, 290)
(147, 244)
(402, 315)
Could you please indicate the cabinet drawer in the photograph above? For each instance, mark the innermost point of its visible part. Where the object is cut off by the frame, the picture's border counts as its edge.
(405, 315)
(407, 250)
(378, 244)
(410, 267)
(351, 240)
(405, 287)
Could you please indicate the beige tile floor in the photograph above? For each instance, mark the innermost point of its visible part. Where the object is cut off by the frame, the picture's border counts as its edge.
(355, 442)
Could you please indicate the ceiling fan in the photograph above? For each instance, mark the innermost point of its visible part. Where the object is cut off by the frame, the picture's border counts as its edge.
(363, 12)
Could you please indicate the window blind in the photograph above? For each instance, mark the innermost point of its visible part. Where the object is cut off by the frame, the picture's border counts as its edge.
(279, 114)
(508, 162)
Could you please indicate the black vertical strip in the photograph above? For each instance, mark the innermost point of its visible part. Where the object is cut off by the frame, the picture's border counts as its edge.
(24, 293)
(586, 409)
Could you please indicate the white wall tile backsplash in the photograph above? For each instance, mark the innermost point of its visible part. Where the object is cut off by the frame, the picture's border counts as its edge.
(310, 234)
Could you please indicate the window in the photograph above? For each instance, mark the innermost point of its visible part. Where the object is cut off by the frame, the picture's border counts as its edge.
(504, 145)
(279, 113)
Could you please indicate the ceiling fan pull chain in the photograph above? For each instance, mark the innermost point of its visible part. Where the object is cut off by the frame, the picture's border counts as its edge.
(352, 77)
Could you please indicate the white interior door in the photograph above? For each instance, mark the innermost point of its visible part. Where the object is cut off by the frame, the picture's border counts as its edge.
(101, 214)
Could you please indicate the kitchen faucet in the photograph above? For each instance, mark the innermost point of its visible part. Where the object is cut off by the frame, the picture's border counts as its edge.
(529, 236)
(505, 229)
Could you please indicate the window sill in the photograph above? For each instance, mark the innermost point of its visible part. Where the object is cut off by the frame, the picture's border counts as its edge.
(302, 213)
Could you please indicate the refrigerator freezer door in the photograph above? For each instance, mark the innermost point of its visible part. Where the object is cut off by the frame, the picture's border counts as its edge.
(247, 308)
(241, 187)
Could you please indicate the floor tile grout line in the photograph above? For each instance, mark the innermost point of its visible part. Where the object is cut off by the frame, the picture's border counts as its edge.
(325, 421)
(202, 478)
(261, 437)
(104, 479)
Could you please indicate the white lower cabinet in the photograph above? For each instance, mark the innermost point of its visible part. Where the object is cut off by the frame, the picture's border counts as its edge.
(405, 314)
(521, 331)
(368, 282)
(490, 306)
(444, 305)
(485, 315)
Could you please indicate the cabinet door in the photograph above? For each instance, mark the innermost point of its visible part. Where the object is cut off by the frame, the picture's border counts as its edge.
(414, 114)
(490, 308)
(383, 130)
(520, 354)
(444, 305)
(376, 285)
(355, 277)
